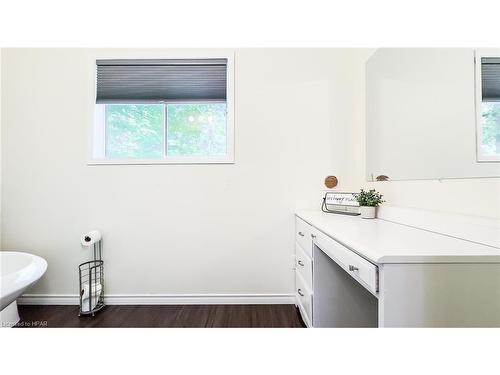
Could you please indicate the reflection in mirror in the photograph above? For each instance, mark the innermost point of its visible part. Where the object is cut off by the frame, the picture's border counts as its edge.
(421, 116)
(488, 104)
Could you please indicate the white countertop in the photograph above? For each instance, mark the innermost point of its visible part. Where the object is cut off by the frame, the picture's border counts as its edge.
(382, 241)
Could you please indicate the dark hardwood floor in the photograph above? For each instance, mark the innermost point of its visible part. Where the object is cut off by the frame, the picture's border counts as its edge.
(144, 316)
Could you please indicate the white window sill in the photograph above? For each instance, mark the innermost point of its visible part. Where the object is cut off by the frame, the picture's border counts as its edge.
(160, 161)
(489, 159)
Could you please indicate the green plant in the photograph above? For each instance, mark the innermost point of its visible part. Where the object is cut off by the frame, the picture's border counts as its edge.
(369, 198)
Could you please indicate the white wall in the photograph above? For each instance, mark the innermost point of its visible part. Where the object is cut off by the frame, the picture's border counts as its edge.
(0, 147)
(174, 228)
(478, 197)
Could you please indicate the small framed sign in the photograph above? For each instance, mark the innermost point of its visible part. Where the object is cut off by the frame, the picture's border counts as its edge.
(340, 203)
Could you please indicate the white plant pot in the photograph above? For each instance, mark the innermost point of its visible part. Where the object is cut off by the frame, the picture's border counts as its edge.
(368, 212)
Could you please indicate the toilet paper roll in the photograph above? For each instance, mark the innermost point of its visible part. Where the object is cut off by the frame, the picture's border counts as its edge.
(90, 238)
(96, 290)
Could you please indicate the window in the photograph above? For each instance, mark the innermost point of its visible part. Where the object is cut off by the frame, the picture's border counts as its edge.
(488, 105)
(163, 111)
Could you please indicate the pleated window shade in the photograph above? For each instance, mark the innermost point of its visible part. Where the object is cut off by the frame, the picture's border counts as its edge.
(157, 80)
(490, 79)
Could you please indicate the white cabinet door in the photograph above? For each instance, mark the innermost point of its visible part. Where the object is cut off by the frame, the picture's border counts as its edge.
(304, 298)
(303, 235)
(303, 265)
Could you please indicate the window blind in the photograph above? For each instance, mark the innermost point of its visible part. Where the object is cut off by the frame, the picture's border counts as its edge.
(490, 79)
(156, 80)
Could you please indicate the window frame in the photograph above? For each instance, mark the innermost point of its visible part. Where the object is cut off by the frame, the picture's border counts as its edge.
(478, 55)
(97, 137)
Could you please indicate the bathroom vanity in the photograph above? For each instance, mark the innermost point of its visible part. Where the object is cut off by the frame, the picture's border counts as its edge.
(352, 272)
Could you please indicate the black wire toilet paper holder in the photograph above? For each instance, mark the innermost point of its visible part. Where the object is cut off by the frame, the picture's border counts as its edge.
(91, 274)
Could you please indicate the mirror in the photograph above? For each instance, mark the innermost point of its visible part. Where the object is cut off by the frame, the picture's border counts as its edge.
(421, 118)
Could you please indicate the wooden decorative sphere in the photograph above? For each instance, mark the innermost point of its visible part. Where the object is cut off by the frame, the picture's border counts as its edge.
(331, 182)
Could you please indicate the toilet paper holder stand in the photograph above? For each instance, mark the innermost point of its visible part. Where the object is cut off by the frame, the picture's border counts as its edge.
(91, 281)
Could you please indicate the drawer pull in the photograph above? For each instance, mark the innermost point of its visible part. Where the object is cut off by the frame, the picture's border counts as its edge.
(301, 234)
(300, 263)
(313, 236)
(300, 292)
(353, 268)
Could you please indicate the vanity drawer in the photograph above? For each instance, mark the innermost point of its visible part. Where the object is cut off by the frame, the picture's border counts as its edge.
(303, 235)
(304, 298)
(359, 268)
(303, 265)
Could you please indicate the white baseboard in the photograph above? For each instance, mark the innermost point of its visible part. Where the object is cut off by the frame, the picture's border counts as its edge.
(48, 299)
(163, 299)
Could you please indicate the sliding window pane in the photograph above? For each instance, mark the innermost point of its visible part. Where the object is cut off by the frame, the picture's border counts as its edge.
(196, 129)
(134, 131)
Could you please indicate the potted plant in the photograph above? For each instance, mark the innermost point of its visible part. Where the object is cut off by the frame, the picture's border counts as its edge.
(368, 202)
